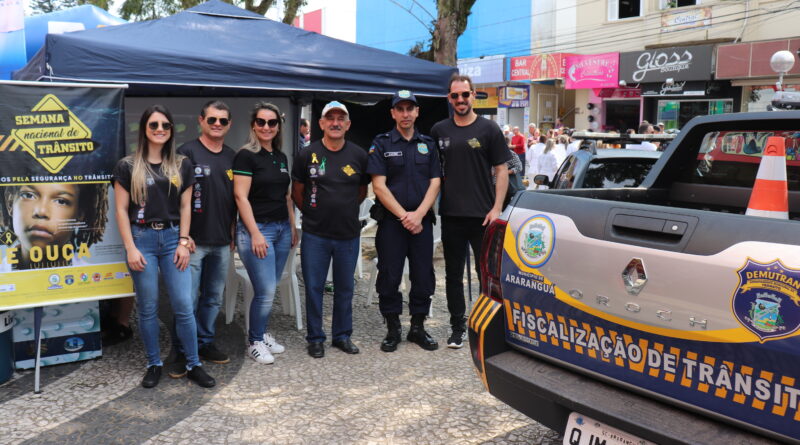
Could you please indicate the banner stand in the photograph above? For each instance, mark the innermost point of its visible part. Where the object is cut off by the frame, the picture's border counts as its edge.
(37, 327)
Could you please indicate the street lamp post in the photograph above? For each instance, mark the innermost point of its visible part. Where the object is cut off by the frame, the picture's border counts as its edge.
(781, 62)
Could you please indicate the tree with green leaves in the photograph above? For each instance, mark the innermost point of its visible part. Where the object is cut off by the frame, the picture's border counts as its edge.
(48, 6)
(152, 9)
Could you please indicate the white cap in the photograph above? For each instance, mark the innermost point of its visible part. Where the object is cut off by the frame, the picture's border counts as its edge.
(334, 105)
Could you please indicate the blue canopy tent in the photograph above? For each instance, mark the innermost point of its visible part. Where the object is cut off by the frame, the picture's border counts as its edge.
(219, 45)
(217, 49)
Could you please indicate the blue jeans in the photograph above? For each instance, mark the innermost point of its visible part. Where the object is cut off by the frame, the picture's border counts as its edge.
(264, 272)
(316, 255)
(209, 266)
(158, 248)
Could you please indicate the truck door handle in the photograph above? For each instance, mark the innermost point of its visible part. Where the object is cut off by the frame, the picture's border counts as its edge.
(648, 228)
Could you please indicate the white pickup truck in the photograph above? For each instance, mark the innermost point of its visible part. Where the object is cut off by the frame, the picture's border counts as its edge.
(655, 314)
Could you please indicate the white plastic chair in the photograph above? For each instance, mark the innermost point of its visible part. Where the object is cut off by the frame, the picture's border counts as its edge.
(289, 289)
(363, 215)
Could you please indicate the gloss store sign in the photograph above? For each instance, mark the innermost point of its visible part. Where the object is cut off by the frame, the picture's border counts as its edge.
(677, 63)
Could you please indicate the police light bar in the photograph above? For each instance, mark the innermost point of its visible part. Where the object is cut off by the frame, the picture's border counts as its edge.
(623, 137)
(786, 100)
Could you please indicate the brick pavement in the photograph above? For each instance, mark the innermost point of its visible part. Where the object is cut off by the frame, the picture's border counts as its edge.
(407, 397)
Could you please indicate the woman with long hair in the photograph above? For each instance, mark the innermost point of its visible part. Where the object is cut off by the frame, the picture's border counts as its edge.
(548, 160)
(152, 189)
(265, 232)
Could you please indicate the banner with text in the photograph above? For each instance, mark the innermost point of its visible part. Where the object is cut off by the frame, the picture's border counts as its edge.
(59, 241)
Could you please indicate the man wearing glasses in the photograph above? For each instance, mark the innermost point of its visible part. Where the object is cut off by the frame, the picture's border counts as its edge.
(213, 214)
(472, 149)
(329, 181)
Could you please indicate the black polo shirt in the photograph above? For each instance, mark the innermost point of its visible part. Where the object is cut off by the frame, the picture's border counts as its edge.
(270, 175)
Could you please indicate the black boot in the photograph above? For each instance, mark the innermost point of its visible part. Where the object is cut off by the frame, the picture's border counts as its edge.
(393, 336)
(418, 335)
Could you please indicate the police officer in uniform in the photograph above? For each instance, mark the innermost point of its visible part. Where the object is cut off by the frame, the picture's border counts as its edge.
(406, 176)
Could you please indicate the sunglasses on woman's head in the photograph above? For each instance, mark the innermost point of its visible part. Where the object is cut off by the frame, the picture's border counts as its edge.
(154, 125)
(224, 121)
(464, 95)
(272, 122)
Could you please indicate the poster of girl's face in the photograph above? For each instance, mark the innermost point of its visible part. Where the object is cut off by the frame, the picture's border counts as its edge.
(53, 224)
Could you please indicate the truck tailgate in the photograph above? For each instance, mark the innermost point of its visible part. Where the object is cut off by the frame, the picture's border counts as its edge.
(699, 308)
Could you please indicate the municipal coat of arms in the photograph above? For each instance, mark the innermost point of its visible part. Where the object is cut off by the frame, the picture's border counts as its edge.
(535, 240)
(767, 299)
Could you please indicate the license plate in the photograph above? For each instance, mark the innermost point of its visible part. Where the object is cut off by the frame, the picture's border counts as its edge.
(582, 430)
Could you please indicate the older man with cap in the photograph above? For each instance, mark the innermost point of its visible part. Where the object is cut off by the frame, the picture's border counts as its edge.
(406, 176)
(329, 182)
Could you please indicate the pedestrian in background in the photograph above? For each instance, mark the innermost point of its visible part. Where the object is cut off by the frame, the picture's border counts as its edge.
(406, 176)
(153, 192)
(549, 160)
(532, 159)
(265, 232)
(518, 147)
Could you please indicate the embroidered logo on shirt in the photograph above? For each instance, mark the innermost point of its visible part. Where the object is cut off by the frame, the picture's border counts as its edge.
(229, 172)
(348, 170)
(474, 143)
(422, 148)
(314, 159)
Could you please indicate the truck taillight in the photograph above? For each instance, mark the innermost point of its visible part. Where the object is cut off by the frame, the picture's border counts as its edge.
(491, 259)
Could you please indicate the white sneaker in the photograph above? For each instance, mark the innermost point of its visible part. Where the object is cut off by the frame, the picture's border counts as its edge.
(273, 346)
(259, 352)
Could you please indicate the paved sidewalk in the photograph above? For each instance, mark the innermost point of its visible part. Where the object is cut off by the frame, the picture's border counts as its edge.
(407, 397)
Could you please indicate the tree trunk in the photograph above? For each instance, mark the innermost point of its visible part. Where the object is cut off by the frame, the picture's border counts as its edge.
(290, 10)
(450, 24)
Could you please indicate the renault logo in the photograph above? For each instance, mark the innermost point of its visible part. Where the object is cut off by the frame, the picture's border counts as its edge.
(634, 276)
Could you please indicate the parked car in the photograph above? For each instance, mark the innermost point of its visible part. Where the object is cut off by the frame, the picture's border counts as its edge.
(602, 168)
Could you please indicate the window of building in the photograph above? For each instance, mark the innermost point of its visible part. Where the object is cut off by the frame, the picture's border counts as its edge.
(665, 4)
(623, 9)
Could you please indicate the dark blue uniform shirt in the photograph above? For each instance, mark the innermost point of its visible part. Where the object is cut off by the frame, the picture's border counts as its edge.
(407, 165)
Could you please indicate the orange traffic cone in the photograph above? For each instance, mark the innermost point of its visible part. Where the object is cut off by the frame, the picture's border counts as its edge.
(770, 197)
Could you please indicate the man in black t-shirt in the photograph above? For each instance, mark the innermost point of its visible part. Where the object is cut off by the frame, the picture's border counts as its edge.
(472, 150)
(329, 182)
(213, 213)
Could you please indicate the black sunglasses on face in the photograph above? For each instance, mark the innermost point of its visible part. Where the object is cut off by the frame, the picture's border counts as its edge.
(224, 121)
(272, 122)
(154, 125)
(464, 95)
